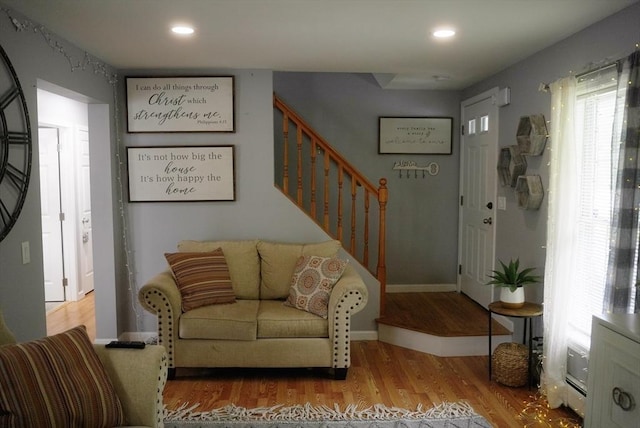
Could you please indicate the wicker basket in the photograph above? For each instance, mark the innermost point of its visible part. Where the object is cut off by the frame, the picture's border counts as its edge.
(511, 364)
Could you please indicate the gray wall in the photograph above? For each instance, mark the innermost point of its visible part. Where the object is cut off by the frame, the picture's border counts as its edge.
(21, 286)
(422, 224)
(523, 233)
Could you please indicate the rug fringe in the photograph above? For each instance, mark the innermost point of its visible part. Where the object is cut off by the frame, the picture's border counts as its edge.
(446, 410)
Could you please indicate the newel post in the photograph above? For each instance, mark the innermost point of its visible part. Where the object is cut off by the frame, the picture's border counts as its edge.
(382, 268)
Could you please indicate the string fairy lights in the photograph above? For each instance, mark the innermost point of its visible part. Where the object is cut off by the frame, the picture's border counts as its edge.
(536, 413)
(99, 68)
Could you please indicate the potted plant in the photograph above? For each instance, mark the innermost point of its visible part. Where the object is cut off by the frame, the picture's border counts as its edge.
(511, 279)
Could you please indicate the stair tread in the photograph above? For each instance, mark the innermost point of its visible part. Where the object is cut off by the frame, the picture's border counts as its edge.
(445, 314)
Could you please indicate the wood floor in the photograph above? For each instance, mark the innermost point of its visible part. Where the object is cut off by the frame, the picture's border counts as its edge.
(71, 314)
(380, 373)
(445, 314)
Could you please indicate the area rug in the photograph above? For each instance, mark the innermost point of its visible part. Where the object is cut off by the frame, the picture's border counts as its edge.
(445, 415)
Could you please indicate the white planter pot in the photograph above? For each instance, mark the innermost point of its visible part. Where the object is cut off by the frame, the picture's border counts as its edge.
(512, 299)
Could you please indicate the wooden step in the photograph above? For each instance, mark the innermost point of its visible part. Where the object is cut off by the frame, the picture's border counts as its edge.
(439, 323)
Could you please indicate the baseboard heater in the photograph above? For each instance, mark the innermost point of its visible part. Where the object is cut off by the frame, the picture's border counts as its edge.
(577, 365)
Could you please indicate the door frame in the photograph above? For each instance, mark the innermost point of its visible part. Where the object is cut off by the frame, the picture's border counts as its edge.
(493, 95)
(68, 206)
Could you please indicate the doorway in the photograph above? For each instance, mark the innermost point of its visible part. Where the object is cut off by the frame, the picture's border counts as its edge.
(478, 192)
(65, 198)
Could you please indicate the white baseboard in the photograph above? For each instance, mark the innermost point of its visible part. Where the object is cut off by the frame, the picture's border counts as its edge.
(420, 288)
(102, 341)
(436, 345)
(364, 335)
(143, 336)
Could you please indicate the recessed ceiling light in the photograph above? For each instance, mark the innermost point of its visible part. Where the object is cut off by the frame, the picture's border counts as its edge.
(182, 29)
(444, 33)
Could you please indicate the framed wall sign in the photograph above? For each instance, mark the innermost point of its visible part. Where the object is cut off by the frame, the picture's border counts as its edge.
(415, 135)
(181, 173)
(180, 104)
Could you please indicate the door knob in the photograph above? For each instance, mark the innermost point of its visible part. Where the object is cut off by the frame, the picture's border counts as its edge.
(490, 205)
(487, 220)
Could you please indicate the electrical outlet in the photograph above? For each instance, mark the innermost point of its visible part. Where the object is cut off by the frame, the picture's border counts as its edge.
(26, 254)
(502, 203)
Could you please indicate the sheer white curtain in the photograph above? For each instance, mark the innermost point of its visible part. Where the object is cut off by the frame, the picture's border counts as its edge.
(564, 176)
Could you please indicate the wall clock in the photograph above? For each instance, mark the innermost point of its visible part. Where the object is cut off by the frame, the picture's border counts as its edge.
(15, 146)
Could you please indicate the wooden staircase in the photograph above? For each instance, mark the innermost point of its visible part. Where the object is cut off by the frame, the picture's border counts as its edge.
(314, 176)
(326, 186)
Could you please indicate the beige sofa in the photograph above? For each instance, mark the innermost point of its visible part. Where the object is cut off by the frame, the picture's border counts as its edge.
(258, 330)
(137, 377)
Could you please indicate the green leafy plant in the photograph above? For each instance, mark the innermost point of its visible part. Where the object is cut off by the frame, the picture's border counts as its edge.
(510, 276)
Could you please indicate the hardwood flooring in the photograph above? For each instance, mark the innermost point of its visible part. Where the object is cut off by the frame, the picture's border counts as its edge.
(444, 314)
(380, 373)
(71, 314)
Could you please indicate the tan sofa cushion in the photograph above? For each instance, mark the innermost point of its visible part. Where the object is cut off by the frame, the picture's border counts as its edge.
(6, 337)
(242, 259)
(275, 320)
(278, 260)
(234, 321)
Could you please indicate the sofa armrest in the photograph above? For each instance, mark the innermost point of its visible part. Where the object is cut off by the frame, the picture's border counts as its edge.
(139, 377)
(161, 296)
(349, 296)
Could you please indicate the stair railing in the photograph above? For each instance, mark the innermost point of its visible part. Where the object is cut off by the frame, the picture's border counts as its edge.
(312, 156)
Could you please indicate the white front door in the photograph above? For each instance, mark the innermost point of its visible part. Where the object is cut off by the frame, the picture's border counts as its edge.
(478, 192)
(51, 223)
(84, 206)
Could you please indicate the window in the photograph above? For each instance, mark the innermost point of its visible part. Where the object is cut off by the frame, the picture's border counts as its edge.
(472, 126)
(484, 123)
(597, 167)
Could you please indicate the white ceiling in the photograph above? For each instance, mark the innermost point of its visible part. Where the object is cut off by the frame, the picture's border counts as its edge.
(390, 38)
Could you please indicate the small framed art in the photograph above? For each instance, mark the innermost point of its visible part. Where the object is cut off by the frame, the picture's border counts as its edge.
(415, 135)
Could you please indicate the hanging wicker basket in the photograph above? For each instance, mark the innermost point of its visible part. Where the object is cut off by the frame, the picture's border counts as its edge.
(511, 364)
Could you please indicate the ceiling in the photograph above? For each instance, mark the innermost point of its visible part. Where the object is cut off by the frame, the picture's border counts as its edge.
(389, 38)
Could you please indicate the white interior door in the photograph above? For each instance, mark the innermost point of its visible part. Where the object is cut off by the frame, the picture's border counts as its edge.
(51, 224)
(478, 191)
(84, 207)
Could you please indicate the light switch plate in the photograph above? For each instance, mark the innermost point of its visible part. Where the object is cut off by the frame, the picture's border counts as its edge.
(26, 253)
(502, 203)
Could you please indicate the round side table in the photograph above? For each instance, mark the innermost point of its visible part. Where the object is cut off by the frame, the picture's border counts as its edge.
(527, 312)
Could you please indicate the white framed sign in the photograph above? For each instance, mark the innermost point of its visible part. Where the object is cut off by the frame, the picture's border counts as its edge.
(181, 173)
(180, 104)
(415, 135)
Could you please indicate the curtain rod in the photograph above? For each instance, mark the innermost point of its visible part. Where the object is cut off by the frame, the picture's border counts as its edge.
(616, 63)
(544, 87)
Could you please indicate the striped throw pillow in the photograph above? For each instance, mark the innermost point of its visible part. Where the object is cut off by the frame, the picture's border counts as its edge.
(57, 381)
(203, 278)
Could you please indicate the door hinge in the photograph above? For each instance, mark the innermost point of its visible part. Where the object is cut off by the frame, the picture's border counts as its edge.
(459, 269)
(65, 282)
(61, 216)
(461, 200)
(462, 129)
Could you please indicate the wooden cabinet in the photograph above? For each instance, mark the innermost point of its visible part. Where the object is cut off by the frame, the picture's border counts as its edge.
(613, 386)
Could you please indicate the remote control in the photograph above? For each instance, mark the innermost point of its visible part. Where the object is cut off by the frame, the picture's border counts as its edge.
(133, 344)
